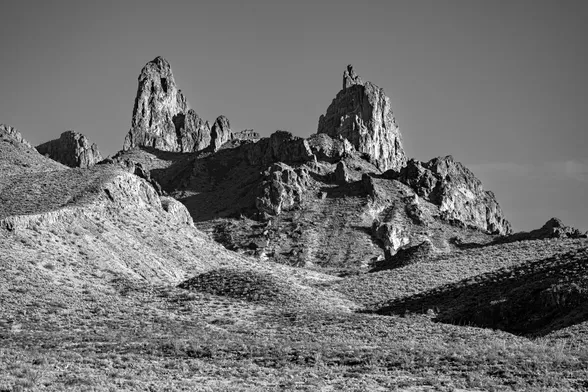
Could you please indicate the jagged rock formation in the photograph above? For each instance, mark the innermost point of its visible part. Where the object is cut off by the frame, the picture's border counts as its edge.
(281, 146)
(329, 186)
(325, 148)
(361, 113)
(192, 132)
(162, 118)
(553, 228)
(8, 131)
(282, 189)
(72, 149)
(458, 193)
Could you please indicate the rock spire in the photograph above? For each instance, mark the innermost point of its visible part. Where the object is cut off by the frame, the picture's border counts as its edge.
(361, 113)
(162, 118)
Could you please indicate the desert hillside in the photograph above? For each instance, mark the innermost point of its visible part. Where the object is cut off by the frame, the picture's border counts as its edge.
(205, 258)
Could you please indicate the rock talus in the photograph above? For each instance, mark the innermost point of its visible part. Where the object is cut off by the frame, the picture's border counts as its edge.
(362, 114)
(72, 149)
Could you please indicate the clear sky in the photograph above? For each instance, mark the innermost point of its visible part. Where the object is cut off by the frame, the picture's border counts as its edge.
(500, 85)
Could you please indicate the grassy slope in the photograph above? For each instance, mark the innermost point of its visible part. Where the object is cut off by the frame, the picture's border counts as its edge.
(89, 302)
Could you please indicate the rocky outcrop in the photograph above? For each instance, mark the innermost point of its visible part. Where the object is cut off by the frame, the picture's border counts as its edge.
(162, 118)
(282, 189)
(72, 149)
(553, 228)
(458, 193)
(281, 146)
(14, 134)
(135, 168)
(361, 113)
(247, 134)
(220, 133)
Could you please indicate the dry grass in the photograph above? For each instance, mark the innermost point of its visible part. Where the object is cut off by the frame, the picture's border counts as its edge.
(90, 303)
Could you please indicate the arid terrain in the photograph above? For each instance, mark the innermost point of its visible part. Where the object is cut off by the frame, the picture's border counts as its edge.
(199, 258)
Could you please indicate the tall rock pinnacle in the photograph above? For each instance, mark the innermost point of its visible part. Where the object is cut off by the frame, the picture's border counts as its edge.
(361, 113)
(162, 118)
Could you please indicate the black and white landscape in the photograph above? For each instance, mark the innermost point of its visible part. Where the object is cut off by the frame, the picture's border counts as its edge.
(205, 255)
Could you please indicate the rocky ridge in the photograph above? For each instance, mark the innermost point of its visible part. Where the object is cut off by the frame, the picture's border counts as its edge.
(13, 133)
(456, 190)
(356, 156)
(553, 228)
(72, 149)
(17, 156)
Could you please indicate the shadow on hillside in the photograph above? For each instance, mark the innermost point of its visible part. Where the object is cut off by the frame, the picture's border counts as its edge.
(531, 300)
(211, 185)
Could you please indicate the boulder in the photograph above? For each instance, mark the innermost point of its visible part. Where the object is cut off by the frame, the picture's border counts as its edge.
(72, 149)
(361, 113)
(458, 193)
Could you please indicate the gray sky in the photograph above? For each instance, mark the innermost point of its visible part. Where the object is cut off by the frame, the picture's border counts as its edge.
(500, 85)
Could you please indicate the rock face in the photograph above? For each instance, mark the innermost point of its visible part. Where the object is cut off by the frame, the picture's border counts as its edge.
(162, 118)
(72, 149)
(282, 189)
(457, 192)
(361, 113)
